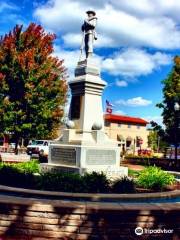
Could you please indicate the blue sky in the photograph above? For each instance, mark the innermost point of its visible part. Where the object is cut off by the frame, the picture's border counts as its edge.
(137, 41)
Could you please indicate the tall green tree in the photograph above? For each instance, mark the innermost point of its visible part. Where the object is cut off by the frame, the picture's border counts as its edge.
(32, 83)
(157, 137)
(153, 140)
(171, 94)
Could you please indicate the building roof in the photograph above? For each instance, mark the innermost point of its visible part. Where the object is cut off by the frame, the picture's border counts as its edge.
(124, 119)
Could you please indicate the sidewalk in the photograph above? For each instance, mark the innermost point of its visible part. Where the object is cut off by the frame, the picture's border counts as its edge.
(133, 167)
(11, 157)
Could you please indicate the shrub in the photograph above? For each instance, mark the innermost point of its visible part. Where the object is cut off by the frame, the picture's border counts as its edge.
(23, 167)
(133, 173)
(22, 175)
(124, 185)
(27, 167)
(73, 182)
(154, 178)
(14, 177)
(95, 182)
(65, 182)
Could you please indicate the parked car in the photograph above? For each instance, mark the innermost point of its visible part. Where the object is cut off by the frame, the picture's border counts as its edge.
(170, 152)
(12, 145)
(39, 148)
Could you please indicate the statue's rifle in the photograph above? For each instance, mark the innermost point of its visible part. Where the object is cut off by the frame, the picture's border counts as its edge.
(82, 45)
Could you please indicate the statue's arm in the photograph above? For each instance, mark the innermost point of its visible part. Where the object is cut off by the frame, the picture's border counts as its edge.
(83, 28)
(91, 23)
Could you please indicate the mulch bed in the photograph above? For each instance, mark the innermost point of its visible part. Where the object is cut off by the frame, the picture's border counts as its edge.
(173, 187)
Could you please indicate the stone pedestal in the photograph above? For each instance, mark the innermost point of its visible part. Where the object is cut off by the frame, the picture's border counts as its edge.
(86, 103)
(85, 147)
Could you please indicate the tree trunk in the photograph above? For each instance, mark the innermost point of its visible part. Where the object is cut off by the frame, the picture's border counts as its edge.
(16, 145)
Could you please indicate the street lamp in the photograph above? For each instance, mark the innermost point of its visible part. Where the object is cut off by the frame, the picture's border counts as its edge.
(176, 108)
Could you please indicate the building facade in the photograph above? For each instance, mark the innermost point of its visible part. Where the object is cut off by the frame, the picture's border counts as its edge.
(130, 132)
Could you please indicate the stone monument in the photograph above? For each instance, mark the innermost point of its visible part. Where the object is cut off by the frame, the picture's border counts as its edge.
(84, 146)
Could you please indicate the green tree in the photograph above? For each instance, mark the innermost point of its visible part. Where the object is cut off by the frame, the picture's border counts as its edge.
(32, 83)
(153, 139)
(156, 137)
(171, 94)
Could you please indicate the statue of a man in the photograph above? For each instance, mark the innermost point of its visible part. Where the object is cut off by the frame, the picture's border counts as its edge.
(88, 29)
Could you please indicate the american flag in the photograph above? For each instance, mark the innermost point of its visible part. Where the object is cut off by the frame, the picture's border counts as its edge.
(108, 104)
(109, 110)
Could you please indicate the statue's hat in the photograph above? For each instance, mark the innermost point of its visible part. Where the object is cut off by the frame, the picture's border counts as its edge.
(91, 11)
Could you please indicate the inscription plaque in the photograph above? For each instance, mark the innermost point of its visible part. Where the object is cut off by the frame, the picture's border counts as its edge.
(100, 157)
(63, 156)
(57, 169)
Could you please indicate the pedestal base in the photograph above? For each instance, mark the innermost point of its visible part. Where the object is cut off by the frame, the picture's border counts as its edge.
(85, 158)
(55, 168)
(109, 171)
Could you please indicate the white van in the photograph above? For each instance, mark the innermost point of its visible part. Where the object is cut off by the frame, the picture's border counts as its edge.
(38, 148)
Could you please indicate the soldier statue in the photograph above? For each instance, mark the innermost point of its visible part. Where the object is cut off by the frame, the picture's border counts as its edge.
(89, 34)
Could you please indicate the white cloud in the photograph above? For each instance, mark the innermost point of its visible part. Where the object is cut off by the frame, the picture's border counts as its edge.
(129, 30)
(75, 40)
(141, 7)
(121, 83)
(130, 63)
(72, 39)
(134, 102)
(157, 119)
(7, 6)
(10, 12)
(149, 7)
(60, 16)
(71, 58)
(133, 62)
(119, 112)
(140, 23)
(120, 24)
